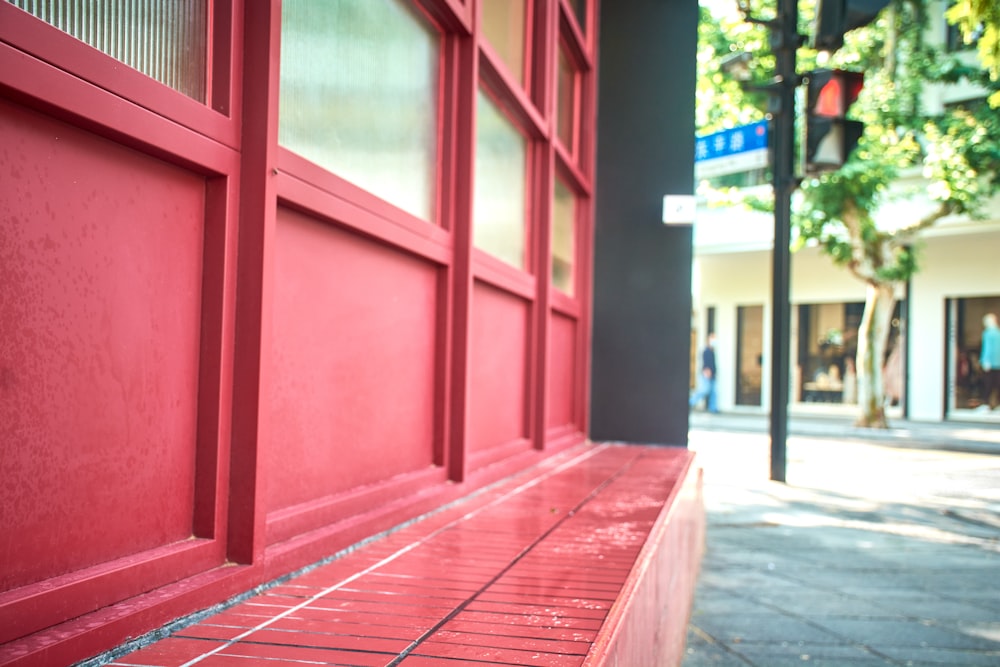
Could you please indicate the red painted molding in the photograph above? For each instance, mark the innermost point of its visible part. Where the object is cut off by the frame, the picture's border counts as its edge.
(37, 606)
(326, 512)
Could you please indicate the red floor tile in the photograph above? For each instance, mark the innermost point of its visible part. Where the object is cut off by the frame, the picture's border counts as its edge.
(417, 608)
(302, 654)
(513, 640)
(462, 624)
(326, 640)
(169, 652)
(432, 649)
(211, 631)
(445, 583)
(535, 598)
(539, 620)
(536, 610)
(543, 587)
(242, 661)
(379, 617)
(414, 588)
(385, 630)
(424, 661)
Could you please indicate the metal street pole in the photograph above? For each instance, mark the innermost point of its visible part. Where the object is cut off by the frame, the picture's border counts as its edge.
(785, 41)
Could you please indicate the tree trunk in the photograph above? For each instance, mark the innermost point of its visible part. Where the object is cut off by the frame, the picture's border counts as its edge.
(873, 334)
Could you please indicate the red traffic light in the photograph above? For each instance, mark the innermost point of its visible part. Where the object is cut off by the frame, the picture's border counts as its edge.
(831, 92)
(830, 137)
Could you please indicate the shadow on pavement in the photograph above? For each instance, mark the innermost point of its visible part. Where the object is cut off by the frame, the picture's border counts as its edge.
(870, 555)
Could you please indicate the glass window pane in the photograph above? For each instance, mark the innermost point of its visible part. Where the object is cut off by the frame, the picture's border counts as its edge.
(971, 389)
(499, 206)
(503, 25)
(359, 95)
(566, 101)
(749, 354)
(164, 39)
(827, 348)
(563, 237)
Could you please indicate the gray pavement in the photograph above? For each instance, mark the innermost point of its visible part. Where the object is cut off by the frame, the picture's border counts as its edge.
(882, 549)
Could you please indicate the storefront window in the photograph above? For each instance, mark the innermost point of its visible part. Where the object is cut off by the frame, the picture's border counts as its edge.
(749, 354)
(499, 206)
(968, 386)
(359, 95)
(164, 39)
(828, 335)
(828, 349)
(563, 237)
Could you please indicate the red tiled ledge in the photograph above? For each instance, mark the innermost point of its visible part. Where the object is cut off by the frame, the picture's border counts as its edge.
(589, 558)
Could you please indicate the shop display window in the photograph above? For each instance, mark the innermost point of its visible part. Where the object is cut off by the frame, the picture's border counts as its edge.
(968, 378)
(749, 354)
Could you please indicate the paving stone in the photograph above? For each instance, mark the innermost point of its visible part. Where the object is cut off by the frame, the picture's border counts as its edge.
(848, 565)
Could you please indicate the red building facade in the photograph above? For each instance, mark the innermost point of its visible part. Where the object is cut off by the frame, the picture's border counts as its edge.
(275, 276)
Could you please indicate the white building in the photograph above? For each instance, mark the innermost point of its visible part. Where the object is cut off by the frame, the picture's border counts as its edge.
(936, 332)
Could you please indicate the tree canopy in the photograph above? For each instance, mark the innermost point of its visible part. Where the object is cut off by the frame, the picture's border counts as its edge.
(979, 21)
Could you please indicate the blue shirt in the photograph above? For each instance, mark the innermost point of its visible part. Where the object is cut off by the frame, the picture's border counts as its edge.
(990, 354)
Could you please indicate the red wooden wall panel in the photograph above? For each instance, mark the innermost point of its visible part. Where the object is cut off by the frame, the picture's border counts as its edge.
(561, 386)
(101, 272)
(353, 362)
(498, 368)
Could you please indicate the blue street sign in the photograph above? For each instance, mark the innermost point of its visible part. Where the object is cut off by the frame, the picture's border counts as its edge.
(731, 151)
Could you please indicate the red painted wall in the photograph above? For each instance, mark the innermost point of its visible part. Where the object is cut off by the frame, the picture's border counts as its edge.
(499, 367)
(100, 262)
(218, 362)
(564, 373)
(353, 362)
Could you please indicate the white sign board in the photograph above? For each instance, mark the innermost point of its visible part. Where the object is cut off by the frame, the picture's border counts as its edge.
(678, 209)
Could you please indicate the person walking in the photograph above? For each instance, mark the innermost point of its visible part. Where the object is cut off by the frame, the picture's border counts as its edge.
(706, 381)
(989, 359)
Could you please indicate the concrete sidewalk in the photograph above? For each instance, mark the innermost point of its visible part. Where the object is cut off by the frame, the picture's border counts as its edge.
(882, 549)
(967, 436)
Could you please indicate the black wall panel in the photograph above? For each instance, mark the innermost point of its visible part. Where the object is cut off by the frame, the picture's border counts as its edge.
(642, 273)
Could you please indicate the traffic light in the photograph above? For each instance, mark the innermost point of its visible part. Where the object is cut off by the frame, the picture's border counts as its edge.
(830, 136)
(835, 17)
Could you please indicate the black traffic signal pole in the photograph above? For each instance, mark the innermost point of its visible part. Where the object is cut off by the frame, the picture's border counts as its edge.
(834, 18)
(785, 41)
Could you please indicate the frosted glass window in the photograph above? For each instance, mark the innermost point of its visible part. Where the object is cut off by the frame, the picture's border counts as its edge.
(566, 102)
(563, 237)
(499, 207)
(359, 95)
(164, 39)
(503, 25)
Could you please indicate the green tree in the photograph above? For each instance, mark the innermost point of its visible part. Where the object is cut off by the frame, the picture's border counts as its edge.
(979, 21)
(956, 148)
